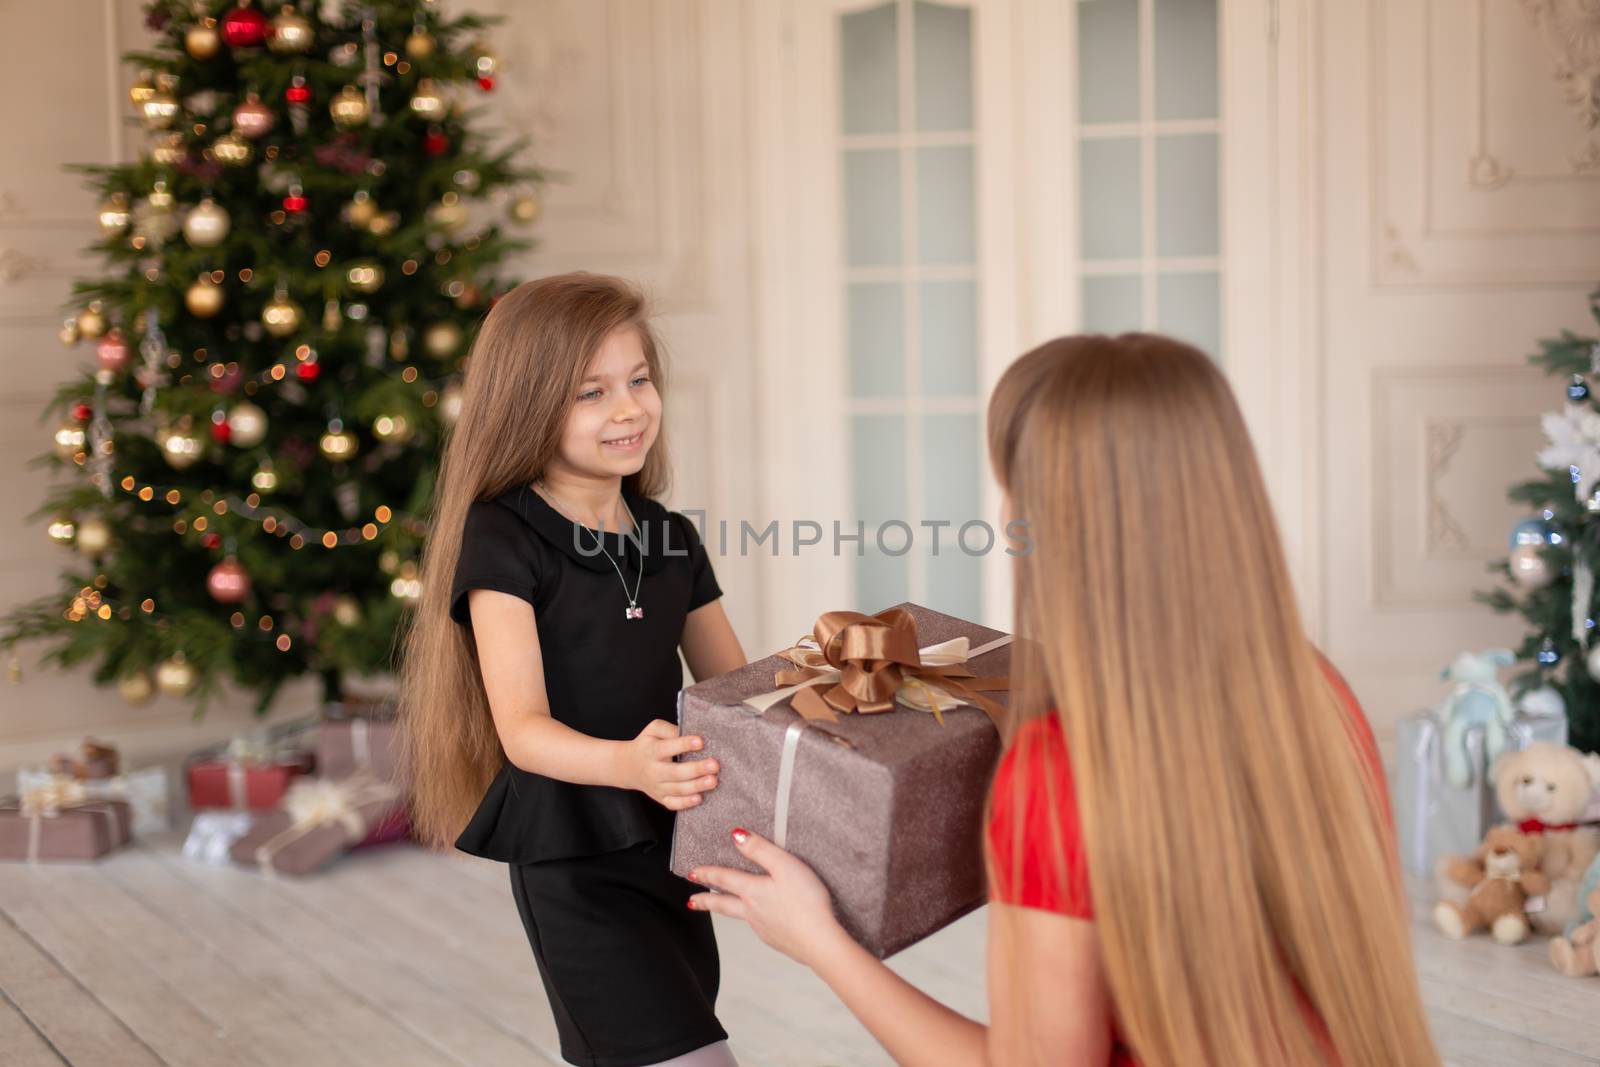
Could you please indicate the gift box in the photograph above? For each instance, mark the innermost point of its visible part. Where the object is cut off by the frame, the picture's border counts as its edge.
(237, 786)
(851, 751)
(56, 822)
(147, 791)
(1436, 816)
(321, 819)
(212, 835)
(346, 746)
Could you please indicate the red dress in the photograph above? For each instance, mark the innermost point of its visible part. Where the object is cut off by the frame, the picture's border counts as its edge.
(1041, 747)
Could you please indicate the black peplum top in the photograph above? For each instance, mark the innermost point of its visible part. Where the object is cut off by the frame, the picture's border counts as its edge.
(605, 674)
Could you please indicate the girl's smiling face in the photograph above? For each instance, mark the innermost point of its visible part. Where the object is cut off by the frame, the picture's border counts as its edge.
(616, 414)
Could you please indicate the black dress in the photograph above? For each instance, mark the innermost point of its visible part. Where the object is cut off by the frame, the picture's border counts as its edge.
(631, 972)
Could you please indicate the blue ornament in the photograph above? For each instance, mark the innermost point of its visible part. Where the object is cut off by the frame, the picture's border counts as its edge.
(1548, 654)
(1578, 391)
(1535, 532)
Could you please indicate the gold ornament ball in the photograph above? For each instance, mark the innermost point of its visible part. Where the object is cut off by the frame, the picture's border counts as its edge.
(419, 45)
(94, 537)
(281, 316)
(153, 219)
(361, 210)
(346, 611)
(291, 33)
(348, 108)
(181, 447)
(426, 102)
(265, 479)
(339, 445)
(114, 215)
(252, 118)
(207, 225)
(158, 110)
(136, 688)
(450, 404)
(526, 209)
(204, 298)
(232, 150)
(141, 90)
(62, 530)
(247, 425)
(366, 277)
(393, 427)
(91, 323)
(70, 333)
(202, 41)
(168, 150)
(69, 439)
(449, 215)
(442, 339)
(175, 677)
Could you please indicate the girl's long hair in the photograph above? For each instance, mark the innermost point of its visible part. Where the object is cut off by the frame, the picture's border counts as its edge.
(1241, 868)
(527, 362)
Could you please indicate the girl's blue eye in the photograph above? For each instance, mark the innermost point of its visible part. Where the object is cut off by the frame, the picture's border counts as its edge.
(641, 378)
(590, 395)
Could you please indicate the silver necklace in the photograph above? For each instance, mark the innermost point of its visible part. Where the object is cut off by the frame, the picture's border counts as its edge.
(633, 610)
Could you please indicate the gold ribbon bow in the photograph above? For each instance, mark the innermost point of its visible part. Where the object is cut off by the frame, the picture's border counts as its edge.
(49, 798)
(862, 663)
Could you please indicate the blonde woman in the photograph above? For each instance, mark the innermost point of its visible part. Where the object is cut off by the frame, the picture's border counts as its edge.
(1190, 855)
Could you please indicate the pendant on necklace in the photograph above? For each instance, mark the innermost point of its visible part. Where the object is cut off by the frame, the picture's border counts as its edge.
(632, 612)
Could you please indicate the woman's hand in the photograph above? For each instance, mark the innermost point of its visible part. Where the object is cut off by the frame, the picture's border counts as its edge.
(646, 763)
(788, 907)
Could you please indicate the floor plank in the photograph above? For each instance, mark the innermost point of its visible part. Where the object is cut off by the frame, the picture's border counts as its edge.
(414, 958)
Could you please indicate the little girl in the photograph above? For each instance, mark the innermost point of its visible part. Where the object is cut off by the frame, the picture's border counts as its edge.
(542, 668)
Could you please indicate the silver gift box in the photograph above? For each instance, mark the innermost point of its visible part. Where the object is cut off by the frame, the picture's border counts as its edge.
(1434, 818)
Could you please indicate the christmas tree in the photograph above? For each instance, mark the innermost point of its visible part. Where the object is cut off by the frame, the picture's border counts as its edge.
(1555, 554)
(292, 271)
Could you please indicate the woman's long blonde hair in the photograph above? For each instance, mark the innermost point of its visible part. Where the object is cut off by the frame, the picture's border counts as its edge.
(527, 362)
(1237, 853)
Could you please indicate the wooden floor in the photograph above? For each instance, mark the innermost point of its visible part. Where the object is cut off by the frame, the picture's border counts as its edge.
(400, 957)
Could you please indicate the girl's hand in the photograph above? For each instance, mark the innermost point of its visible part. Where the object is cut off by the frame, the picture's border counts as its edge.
(646, 763)
(789, 908)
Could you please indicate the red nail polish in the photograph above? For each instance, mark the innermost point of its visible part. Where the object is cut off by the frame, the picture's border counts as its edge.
(740, 835)
(691, 877)
(692, 905)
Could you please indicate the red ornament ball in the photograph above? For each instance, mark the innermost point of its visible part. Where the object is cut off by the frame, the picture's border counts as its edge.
(294, 204)
(111, 352)
(307, 371)
(221, 432)
(82, 412)
(435, 143)
(228, 582)
(486, 82)
(211, 540)
(244, 27)
(298, 94)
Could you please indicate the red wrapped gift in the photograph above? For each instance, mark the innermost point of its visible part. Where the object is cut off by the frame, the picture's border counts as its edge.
(222, 783)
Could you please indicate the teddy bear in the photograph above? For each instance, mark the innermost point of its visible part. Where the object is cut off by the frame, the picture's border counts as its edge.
(1543, 789)
(1502, 875)
(1574, 954)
